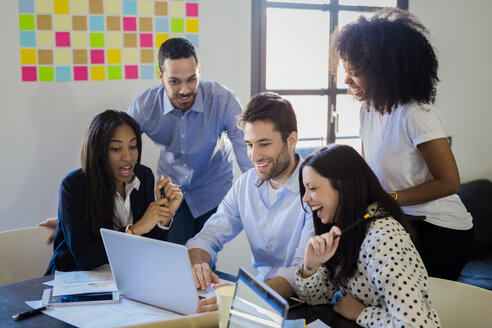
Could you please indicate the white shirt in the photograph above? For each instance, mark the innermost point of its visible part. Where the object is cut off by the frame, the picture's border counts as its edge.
(122, 208)
(390, 147)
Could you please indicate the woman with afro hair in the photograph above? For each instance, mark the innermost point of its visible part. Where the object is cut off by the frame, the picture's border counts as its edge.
(392, 68)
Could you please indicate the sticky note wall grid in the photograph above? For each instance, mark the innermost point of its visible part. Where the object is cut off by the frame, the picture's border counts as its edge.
(97, 40)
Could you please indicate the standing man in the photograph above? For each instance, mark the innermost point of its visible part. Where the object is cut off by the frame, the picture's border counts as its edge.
(265, 202)
(186, 118)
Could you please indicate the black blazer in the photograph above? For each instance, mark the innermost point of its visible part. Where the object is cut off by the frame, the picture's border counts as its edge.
(75, 246)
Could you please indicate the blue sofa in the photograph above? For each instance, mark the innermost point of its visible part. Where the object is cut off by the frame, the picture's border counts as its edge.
(477, 198)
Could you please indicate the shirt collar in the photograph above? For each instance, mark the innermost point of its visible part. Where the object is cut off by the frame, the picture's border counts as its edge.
(134, 183)
(197, 105)
(293, 183)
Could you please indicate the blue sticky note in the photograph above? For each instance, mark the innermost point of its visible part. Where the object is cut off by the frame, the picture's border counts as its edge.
(193, 38)
(161, 24)
(129, 7)
(27, 38)
(147, 72)
(96, 23)
(63, 74)
(26, 6)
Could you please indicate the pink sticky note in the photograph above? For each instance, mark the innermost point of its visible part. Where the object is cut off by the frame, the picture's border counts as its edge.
(129, 23)
(80, 73)
(146, 40)
(131, 72)
(192, 10)
(62, 39)
(29, 73)
(97, 56)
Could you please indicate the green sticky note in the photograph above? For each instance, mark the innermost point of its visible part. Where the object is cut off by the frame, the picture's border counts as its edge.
(114, 72)
(97, 40)
(26, 22)
(46, 74)
(177, 25)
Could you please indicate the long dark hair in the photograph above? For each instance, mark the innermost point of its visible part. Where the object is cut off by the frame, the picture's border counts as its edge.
(358, 187)
(100, 183)
(393, 53)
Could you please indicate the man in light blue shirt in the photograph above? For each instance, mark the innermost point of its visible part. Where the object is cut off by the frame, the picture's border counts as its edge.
(264, 201)
(187, 119)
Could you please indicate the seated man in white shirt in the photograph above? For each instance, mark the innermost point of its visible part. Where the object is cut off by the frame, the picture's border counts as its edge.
(264, 201)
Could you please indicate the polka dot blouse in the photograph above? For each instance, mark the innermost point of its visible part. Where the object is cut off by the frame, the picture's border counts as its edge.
(390, 280)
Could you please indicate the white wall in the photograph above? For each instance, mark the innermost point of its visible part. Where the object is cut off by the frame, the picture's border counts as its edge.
(461, 32)
(42, 124)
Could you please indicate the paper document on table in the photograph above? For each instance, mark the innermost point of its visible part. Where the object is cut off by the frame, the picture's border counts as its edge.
(126, 312)
(98, 280)
(318, 324)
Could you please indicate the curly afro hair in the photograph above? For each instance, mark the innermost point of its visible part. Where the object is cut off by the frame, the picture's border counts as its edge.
(392, 51)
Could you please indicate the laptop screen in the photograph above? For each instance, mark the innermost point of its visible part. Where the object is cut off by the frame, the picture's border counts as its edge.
(255, 304)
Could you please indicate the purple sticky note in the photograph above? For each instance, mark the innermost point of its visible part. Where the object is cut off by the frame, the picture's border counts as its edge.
(62, 39)
(80, 73)
(29, 73)
(97, 56)
(129, 23)
(146, 40)
(131, 72)
(192, 10)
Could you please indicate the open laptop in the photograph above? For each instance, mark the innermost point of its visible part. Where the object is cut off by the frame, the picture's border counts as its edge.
(151, 271)
(255, 304)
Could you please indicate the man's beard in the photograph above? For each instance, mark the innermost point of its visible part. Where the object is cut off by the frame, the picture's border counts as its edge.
(183, 106)
(279, 164)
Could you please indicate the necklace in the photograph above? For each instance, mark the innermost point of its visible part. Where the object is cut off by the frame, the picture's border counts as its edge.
(383, 125)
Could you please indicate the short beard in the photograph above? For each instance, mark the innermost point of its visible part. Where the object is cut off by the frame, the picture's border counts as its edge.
(280, 164)
(181, 106)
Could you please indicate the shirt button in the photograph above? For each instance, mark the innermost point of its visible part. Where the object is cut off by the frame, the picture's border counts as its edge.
(182, 152)
(182, 136)
(185, 165)
(186, 177)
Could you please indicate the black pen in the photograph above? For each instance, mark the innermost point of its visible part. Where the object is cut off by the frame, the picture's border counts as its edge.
(27, 314)
(366, 216)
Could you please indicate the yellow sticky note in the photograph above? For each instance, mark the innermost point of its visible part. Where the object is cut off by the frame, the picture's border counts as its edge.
(61, 7)
(62, 23)
(113, 40)
(44, 38)
(78, 7)
(79, 39)
(130, 56)
(28, 56)
(192, 25)
(114, 56)
(145, 7)
(98, 73)
(160, 38)
(44, 6)
(63, 56)
(177, 9)
(113, 7)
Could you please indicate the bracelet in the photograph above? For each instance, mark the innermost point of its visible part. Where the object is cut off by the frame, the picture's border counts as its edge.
(393, 194)
(128, 230)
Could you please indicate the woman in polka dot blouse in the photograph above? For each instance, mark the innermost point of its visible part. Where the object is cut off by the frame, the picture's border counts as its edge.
(374, 264)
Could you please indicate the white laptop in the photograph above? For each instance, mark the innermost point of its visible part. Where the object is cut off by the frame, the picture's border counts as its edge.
(151, 271)
(256, 305)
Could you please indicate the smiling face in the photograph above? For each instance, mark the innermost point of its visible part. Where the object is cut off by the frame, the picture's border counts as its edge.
(180, 78)
(355, 81)
(320, 194)
(122, 155)
(272, 157)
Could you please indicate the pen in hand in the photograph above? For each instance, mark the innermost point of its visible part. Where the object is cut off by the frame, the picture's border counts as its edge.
(366, 216)
(27, 314)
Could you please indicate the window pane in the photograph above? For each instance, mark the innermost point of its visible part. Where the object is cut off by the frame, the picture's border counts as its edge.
(319, 2)
(369, 3)
(354, 143)
(312, 116)
(295, 40)
(348, 116)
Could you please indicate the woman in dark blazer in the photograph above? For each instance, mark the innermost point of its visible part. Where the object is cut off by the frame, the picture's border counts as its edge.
(112, 190)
